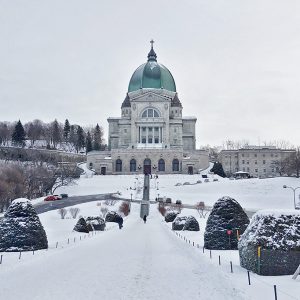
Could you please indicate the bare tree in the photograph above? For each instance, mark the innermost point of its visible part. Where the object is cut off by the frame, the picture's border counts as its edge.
(62, 212)
(201, 209)
(74, 212)
(103, 211)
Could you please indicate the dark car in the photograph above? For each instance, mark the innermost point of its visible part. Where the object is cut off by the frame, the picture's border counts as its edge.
(64, 195)
(52, 198)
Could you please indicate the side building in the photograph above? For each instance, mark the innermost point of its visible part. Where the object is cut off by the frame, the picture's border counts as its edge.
(152, 135)
(256, 160)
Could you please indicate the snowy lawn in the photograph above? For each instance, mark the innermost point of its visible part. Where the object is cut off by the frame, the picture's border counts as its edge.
(252, 194)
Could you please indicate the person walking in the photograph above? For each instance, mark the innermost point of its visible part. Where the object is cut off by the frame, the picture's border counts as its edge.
(145, 219)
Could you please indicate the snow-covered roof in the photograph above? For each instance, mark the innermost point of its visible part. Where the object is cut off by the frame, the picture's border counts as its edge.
(21, 200)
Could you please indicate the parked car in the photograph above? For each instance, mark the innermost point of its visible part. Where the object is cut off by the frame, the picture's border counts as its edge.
(52, 198)
(64, 195)
(178, 202)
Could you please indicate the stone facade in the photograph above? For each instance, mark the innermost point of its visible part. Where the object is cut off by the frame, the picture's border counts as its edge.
(257, 161)
(151, 136)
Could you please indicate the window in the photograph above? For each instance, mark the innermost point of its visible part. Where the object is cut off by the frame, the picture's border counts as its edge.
(255, 162)
(161, 165)
(255, 155)
(265, 170)
(243, 162)
(118, 165)
(248, 169)
(243, 169)
(264, 162)
(125, 130)
(247, 162)
(256, 170)
(175, 165)
(242, 155)
(133, 165)
(150, 113)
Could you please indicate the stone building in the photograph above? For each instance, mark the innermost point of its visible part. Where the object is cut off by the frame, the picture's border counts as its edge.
(256, 160)
(152, 135)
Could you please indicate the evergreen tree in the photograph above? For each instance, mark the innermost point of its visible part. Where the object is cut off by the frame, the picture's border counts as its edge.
(80, 142)
(67, 129)
(88, 143)
(218, 169)
(72, 135)
(18, 136)
(97, 137)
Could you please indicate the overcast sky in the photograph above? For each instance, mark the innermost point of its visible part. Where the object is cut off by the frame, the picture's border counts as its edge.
(236, 64)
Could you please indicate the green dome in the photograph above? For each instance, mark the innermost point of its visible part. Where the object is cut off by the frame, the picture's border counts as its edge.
(152, 75)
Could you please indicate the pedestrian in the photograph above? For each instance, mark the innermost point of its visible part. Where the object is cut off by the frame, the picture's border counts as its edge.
(120, 223)
(145, 219)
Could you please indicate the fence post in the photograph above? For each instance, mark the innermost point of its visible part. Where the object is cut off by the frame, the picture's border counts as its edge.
(193, 244)
(74, 239)
(203, 249)
(33, 252)
(209, 253)
(249, 277)
(56, 245)
(20, 255)
(275, 292)
(231, 270)
(219, 260)
(1, 259)
(68, 241)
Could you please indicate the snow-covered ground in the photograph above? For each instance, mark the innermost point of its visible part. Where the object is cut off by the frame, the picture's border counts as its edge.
(252, 194)
(144, 261)
(141, 261)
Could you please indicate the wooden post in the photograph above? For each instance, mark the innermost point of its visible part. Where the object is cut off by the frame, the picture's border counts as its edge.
(275, 292)
(203, 249)
(1, 259)
(20, 255)
(231, 270)
(56, 245)
(249, 277)
(210, 253)
(219, 260)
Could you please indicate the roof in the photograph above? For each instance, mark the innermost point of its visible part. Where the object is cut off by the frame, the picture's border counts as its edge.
(152, 75)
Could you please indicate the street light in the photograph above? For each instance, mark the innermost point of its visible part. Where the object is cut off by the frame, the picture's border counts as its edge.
(294, 190)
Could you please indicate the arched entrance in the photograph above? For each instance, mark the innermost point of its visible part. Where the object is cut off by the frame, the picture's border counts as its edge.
(147, 166)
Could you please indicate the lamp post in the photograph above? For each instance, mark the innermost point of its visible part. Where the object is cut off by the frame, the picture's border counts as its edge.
(130, 202)
(294, 190)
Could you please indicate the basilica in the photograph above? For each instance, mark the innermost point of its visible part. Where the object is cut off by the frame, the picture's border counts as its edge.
(152, 135)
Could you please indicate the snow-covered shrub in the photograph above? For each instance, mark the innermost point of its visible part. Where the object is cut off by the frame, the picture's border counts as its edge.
(191, 224)
(226, 214)
(178, 223)
(277, 233)
(185, 223)
(97, 223)
(81, 226)
(170, 216)
(124, 208)
(21, 229)
(113, 216)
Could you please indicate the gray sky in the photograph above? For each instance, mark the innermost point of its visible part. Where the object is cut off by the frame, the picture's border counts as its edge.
(235, 63)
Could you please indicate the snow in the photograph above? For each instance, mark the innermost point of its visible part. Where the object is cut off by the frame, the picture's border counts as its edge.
(144, 261)
(21, 200)
(253, 194)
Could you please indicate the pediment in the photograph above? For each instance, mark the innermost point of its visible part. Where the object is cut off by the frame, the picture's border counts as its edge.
(150, 97)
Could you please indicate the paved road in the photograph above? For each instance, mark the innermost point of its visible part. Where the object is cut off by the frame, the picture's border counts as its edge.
(70, 201)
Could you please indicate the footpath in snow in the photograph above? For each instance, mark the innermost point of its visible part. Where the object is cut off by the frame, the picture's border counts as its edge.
(141, 261)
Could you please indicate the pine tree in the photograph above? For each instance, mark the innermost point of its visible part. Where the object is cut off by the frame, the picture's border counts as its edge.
(218, 169)
(18, 136)
(67, 129)
(80, 142)
(88, 143)
(97, 137)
